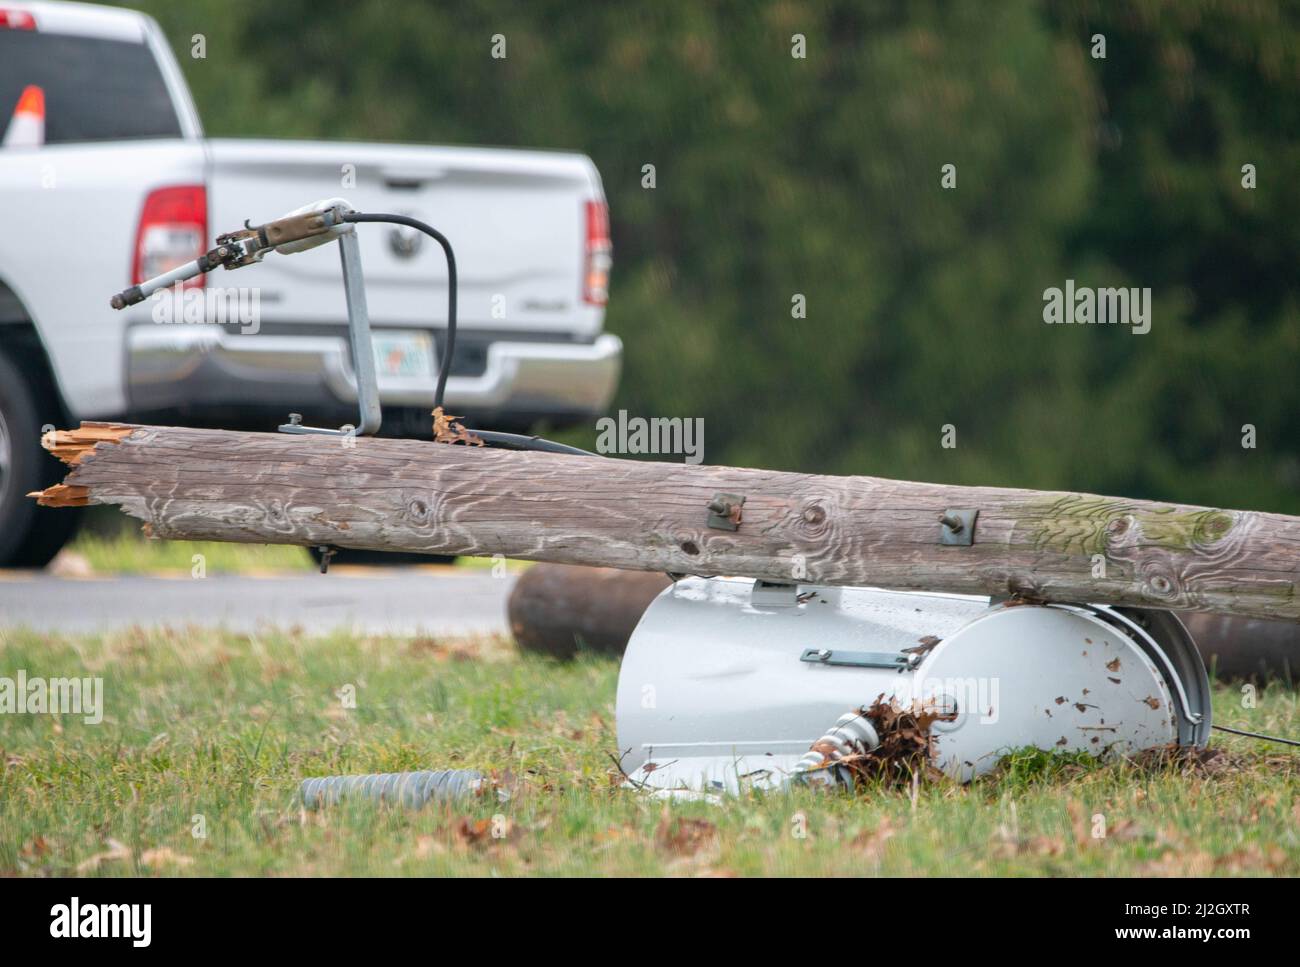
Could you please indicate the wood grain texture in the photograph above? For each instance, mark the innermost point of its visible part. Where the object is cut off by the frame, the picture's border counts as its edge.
(409, 495)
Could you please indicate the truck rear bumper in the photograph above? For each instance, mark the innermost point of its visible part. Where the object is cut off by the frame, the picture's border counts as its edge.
(201, 366)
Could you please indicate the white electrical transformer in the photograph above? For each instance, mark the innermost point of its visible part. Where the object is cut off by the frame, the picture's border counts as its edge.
(727, 682)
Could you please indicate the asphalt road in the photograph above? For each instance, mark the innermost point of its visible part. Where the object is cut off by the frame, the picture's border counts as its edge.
(402, 601)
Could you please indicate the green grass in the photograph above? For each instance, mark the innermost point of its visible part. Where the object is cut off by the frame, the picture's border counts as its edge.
(127, 552)
(224, 726)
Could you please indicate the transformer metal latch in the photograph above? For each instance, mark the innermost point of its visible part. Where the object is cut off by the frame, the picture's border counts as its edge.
(860, 659)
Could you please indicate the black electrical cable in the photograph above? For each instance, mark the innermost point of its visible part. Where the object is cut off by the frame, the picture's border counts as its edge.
(520, 441)
(441, 239)
(1255, 735)
(509, 441)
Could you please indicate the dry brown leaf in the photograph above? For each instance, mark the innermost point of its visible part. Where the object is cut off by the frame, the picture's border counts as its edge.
(480, 832)
(1019, 598)
(685, 837)
(905, 750)
(872, 841)
(1122, 830)
(1189, 760)
(426, 846)
(1180, 863)
(447, 429)
(1009, 846)
(115, 851)
(927, 645)
(1125, 831)
(613, 835)
(1079, 825)
(165, 856)
(1252, 859)
(473, 831)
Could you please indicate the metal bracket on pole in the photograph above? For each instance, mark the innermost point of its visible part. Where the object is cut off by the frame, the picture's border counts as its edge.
(957, 527)
(363, 352)
(724, 511)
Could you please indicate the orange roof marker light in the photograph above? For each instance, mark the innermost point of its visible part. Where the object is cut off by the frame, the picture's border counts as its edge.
(27, 126)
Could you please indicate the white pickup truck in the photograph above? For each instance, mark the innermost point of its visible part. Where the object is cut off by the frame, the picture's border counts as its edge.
(106, 179)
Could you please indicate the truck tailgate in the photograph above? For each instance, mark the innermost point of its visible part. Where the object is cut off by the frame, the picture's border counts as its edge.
(516, 220)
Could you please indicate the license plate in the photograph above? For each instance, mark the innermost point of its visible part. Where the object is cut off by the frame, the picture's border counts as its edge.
(403, 356)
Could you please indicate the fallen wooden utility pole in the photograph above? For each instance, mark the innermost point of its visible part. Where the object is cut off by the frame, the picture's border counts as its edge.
(408, 495)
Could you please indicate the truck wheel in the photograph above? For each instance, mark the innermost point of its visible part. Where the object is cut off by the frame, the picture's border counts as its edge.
(30, 536)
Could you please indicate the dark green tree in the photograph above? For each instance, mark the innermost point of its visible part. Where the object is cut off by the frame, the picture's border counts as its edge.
(820, 176)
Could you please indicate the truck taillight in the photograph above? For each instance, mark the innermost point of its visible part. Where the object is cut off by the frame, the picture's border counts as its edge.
(599, 255)
(16, 20)
(173, 230)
